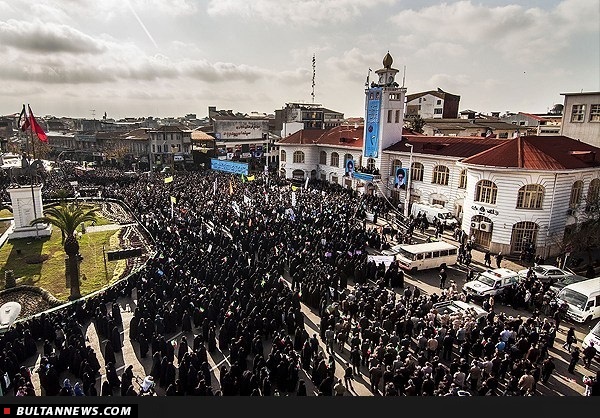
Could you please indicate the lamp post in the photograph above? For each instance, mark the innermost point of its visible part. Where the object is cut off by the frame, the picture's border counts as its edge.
(407, 198)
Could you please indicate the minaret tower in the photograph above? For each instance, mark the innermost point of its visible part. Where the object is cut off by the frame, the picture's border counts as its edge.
(384, 113)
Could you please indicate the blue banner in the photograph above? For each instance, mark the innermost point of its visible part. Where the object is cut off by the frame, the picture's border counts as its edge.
(363, 176)
(371, 136)
(229, 166)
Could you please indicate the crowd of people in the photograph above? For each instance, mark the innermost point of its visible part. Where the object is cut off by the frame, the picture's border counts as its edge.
(234, 263)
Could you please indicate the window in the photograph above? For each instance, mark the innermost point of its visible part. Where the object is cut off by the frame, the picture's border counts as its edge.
(396, 164)
(346, 158)
(397, 119)
(462, 183)
(153, 148)
(578, 113)
(335, 159)
(370, 164)
(334, 179)
(282, 156)
(595, 113)
(530, 197)
(440, 175)
(523, 233)
(417, 172)
(576, 191)
(522, 123)
(323, 158)
(593, 192)
(390, 113)
(298, 157)
(439, 102)
(437, 111)
(486, 192)
(442, 203)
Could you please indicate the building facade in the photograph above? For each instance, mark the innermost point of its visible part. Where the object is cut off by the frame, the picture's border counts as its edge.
(432, 105)
(581, 117)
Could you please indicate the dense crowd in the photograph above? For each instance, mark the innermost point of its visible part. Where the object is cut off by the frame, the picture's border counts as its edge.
(234, 263)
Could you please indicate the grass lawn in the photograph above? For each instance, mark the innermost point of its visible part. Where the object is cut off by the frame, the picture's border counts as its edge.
(42, 262)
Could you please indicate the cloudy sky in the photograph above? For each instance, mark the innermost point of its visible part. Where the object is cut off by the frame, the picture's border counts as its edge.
(81, 58)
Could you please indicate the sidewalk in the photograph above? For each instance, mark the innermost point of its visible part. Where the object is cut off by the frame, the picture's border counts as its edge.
(510, 262)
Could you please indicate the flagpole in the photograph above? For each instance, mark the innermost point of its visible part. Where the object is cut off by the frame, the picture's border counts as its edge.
(31, 132)
(37, 233)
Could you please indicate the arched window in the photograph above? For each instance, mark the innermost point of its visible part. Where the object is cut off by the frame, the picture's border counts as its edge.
(323, 158)
(593, 194)
(298, 157)
(530, 196)
(576, 192)
(370, 164)
(523, 233)
(417, 172)
(441, 174)
(282, 156)
(462, 183)
(486, 192)
(396, 164)
(335, 159)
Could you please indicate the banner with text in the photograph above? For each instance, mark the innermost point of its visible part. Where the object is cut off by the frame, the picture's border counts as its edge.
(229, 166)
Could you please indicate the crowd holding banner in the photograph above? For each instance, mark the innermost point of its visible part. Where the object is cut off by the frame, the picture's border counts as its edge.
(224, 258)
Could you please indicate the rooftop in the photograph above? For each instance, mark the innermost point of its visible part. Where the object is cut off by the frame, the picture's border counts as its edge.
(539, 153)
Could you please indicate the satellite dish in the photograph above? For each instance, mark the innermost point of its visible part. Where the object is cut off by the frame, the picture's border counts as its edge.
(9, 313)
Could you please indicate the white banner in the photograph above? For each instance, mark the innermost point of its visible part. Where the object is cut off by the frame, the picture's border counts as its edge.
(385, 259)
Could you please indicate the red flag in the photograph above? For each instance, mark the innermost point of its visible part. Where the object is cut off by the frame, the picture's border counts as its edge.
(23, 120)
(36, 128)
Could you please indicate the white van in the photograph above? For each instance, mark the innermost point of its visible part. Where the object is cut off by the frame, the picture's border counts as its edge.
(491, 283)
(583, 299)
(432, 212)
(424, 256)
(593, 336)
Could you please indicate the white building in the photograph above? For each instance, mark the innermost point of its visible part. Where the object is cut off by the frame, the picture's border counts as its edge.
(529, 189)
(581, 117)
(508, 192)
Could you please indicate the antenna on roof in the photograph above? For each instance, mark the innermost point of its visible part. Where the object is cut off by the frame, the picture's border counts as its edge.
(313, 78)
(403, 76)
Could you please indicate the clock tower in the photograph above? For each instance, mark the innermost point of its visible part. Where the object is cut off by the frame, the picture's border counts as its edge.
(384, 113)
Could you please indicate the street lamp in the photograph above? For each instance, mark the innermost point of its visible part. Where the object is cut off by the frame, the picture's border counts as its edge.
(407, 198)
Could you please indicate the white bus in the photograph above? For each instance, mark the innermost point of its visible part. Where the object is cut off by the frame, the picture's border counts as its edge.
(424, 256)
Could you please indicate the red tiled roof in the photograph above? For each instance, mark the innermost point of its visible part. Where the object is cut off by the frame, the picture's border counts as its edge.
(343, 135)
(302, 137)
(450, 146)
(532, 116)
(539, 153)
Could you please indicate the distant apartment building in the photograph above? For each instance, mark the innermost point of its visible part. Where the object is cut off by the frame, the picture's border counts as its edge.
(534, 124)
(433, 104)
(297, 116)
(480, 127)
(581, 117)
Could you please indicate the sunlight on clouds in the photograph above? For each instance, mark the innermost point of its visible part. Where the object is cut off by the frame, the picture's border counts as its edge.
(516, 32)
(302, 12)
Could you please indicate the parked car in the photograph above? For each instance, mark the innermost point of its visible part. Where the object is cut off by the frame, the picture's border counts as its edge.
(546, 273)
(491, 283)
(458, 306)
(565, 281)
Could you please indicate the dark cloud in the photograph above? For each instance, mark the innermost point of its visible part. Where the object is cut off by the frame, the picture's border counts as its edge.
(47, 38)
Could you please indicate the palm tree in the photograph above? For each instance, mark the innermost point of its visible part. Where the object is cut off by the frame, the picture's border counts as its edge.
(67, 217)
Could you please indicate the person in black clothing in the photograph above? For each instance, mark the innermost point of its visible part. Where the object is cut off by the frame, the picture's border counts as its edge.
(547, 367)
(443, 276)
(574, 360)
(499, 257)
